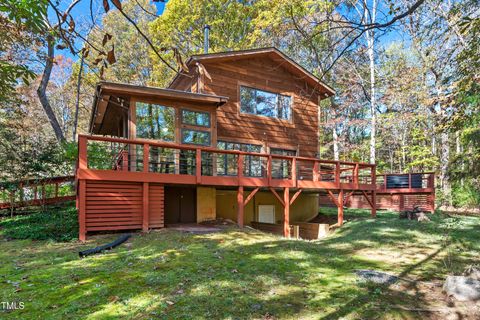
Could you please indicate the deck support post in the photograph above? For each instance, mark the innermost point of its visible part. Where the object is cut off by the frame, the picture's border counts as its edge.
(340, 208)
(82, 210)
(286, 213)
(82, 188)
(240, 207)
(145, 206)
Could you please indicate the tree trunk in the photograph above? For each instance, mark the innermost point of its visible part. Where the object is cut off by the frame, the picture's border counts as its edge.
(444, 157)
(42, 88)
(77, 102)
(336, 155)
(458, 152)
(370, 34)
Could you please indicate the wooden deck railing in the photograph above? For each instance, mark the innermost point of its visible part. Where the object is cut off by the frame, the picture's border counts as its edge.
(36, 192)
(104, 158)
(406, 182)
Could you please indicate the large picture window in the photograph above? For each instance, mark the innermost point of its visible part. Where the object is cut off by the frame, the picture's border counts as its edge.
(155, 121)
(265, 103)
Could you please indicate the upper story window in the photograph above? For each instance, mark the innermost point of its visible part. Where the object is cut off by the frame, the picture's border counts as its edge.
(265, 103)
(155, 121)
(196, 118)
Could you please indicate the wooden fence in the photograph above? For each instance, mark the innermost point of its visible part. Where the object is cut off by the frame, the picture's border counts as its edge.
(37, 192)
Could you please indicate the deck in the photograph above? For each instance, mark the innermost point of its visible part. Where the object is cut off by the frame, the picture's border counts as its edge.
(121, 180)
(395, 191)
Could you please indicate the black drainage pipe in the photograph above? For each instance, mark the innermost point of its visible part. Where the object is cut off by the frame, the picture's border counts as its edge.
(107, 246)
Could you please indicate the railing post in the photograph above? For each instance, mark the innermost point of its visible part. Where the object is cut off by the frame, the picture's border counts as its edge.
(355, 174)
(82, 153)
(315, 171)
(294, 171)
(240, 167)
(146, 156)
(198, 165)
(269, 170)
(125, 160)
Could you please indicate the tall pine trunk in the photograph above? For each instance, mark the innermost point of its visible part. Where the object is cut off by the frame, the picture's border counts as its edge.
(42, 89)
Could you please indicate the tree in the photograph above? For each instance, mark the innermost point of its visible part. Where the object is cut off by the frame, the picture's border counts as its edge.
(133, 63)
(181, 26)
(19, 23)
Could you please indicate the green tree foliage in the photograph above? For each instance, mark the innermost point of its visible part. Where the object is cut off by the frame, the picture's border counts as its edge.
(133, 63)
(181, 26)
(465, 165)
(19, 23)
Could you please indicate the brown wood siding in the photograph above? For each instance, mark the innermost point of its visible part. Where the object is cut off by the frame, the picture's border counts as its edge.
(301, 133)
(118, 205)
(156, 206)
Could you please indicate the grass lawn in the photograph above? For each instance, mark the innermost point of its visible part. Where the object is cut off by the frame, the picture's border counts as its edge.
(246, 274)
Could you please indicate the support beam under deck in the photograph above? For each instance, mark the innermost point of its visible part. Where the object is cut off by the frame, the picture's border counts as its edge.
(286, 213)
(240, 207)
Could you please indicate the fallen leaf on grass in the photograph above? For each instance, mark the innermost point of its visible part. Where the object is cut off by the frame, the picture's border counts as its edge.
(170, 303)
(113, 298)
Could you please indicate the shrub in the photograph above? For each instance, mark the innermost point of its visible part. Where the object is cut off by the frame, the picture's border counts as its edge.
(51, 223)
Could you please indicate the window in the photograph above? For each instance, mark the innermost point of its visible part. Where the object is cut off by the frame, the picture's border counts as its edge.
(196, 137)
(281, 169)
(227, 163)
(196, 118)
(155, 121)
(265, 103)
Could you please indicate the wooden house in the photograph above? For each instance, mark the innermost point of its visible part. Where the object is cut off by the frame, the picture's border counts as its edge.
(236, 137)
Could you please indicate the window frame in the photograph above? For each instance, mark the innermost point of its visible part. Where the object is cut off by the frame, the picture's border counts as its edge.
(248, 158)
(155, 103)
(196, 130)
(269, 91)
(282, 166)
(182, 118)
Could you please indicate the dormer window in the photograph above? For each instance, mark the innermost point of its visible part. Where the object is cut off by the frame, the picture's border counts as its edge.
(265, 103)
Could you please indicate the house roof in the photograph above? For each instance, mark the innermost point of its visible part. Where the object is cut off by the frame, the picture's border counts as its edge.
(271, 52)
(103, 105)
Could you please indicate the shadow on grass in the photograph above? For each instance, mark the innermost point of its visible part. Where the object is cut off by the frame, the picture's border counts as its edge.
(232, 274)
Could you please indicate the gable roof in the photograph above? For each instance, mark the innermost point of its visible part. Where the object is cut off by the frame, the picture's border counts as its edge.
(270, 52)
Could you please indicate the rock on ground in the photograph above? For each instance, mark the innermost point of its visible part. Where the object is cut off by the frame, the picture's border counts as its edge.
(376, 276)
(462, 288)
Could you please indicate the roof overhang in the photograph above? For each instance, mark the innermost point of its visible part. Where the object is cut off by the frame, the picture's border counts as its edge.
(271, 52)
(105, 91)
